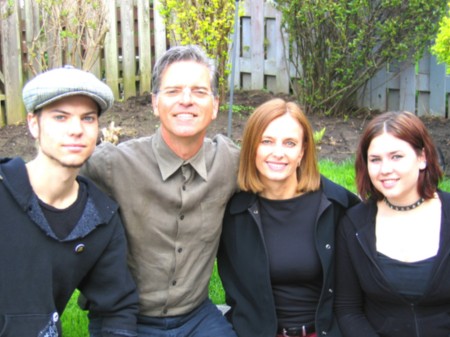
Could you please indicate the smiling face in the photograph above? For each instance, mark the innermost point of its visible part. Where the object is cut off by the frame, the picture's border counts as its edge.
(66, 131)
(393, 167)
(280, 152)
(185, 103)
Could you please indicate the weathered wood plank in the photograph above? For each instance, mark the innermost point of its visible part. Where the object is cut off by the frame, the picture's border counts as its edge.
(128, 48)
(408, 88)
(437, 88)
(257, 44)
(145, 52)
(111, 50)
(32, 26)
(159, 31)
(12, 63)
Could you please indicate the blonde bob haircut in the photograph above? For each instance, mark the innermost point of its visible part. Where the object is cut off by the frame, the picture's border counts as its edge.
(308, 175)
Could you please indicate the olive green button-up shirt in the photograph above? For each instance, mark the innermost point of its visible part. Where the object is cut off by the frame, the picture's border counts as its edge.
(172, 211)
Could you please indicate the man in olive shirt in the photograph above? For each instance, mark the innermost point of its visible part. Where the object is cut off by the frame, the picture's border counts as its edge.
(172, 188)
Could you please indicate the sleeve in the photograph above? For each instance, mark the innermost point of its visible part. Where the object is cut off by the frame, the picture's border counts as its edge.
(349, 298)
(98, 167)
(110, 290)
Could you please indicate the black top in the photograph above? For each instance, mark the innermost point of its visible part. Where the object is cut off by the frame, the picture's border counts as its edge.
(63, 221)
(409, 279)
(367, 303)
(244, 266)
(295, 268)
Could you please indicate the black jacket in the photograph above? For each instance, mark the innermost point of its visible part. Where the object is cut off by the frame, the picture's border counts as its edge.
(39, 272)
(366, 304)
(244, 269)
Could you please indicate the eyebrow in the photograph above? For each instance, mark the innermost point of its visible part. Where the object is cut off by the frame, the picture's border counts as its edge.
(389, 153)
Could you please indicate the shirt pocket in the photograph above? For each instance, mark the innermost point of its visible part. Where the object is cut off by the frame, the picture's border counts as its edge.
(39, 325)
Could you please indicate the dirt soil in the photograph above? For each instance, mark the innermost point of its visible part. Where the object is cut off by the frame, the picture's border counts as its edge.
(135, 118)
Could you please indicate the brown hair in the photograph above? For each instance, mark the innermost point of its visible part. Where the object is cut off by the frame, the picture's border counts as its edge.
(308, 175)
(409, 128)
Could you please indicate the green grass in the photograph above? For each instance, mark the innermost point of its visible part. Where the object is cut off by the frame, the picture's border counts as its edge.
(75, 321)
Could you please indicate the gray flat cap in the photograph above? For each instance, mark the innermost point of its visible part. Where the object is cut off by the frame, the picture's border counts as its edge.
(57, 83)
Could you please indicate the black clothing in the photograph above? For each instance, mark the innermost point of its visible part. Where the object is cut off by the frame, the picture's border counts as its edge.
(63, 221)
(288, 232)
(39, 271)
(367, 304)
(244, 267)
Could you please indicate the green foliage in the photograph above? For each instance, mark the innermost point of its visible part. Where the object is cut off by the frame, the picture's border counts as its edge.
(74, 321)
(208, 23)
(6, 9)
(71, 32)
(318, 135)
(441, 47)
(237, 109)
(340, 44)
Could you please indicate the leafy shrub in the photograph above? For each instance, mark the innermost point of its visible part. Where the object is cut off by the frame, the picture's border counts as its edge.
(208, 23)
(442, 46)
(337, 45)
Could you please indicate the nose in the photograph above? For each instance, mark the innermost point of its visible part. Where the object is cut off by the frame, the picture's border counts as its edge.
(385, 167)
(186, 96)
(75, 126)
(278, 151)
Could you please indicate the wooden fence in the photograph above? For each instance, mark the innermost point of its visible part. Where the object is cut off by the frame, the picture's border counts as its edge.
(137, 37)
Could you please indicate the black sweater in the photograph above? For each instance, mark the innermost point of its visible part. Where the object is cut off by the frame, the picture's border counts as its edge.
(367, 304)
(39, 272)
(244, 267)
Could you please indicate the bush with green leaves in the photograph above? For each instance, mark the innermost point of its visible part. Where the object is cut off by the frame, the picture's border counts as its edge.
(208, 23)
(441, 47)
(337, 45)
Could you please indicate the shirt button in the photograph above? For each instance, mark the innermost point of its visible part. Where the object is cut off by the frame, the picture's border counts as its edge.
(180, 250)
(174, 283)
(327, 246)
(181, 216)
(184, 187)
(165, 311)
(330, 291)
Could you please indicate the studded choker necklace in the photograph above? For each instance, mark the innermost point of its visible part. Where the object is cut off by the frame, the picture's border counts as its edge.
(404, 208)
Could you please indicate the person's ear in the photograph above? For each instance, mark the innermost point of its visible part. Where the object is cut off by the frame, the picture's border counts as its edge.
(423, 160)
(33, 124)
(215, 107)
(155, 104)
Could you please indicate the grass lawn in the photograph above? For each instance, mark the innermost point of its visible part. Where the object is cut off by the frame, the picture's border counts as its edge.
(75, 321)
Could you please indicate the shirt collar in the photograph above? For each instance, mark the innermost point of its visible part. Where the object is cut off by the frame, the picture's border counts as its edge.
(169, 162)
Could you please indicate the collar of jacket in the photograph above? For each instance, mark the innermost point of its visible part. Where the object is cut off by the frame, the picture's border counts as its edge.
(243, 200)
(15, 178)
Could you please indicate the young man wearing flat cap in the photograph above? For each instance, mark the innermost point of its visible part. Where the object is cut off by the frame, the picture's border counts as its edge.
(58, 232)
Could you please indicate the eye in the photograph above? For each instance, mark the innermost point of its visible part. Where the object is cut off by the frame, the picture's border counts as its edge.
(397, 157)
(90, 118)
(171, 91)
(266, 141)
(59, 117)
(374, 160)
(290, 143)
(200, 92)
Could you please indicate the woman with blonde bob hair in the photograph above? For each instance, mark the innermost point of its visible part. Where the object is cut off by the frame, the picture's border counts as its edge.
(277, 247)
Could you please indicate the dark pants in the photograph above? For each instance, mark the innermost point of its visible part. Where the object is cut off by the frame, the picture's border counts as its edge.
(204, 321)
